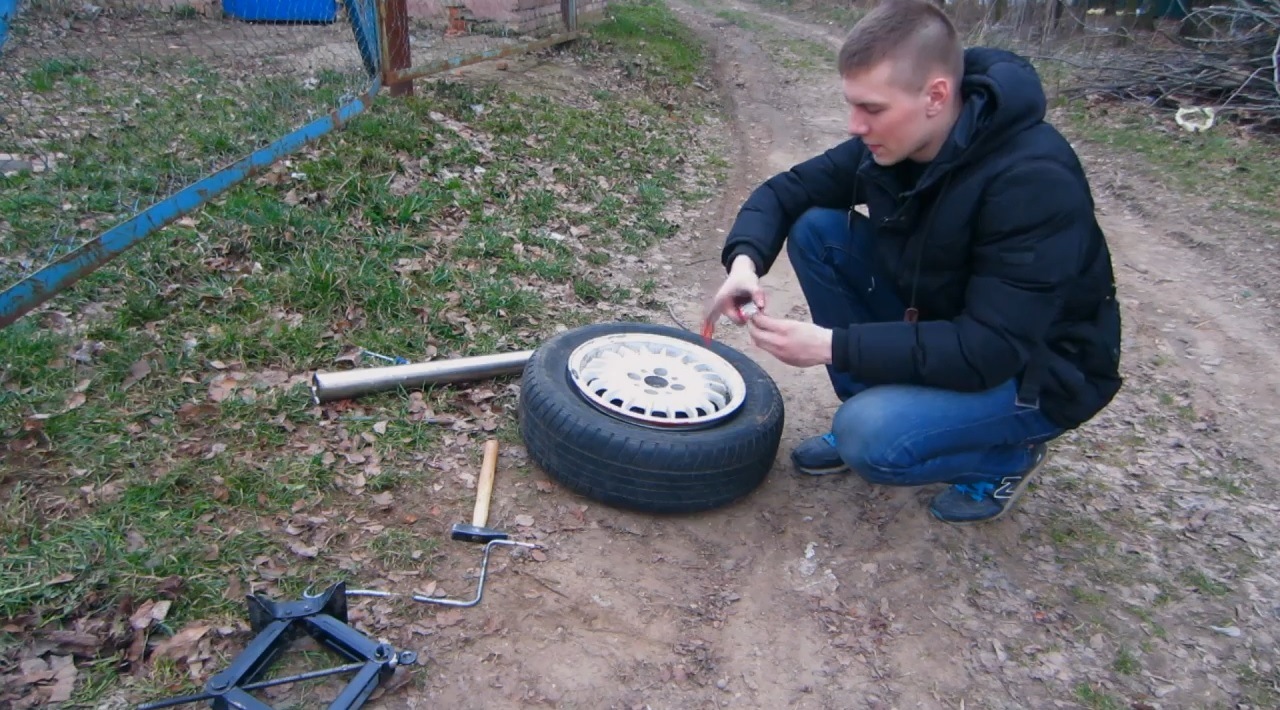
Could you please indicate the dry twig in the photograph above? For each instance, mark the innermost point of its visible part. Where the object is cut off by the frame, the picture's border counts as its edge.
(1229, 60)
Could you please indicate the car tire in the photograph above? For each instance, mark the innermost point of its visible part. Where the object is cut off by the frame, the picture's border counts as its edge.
(620, 462)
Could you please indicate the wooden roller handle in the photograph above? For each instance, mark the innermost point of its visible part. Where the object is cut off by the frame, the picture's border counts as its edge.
(484, 488)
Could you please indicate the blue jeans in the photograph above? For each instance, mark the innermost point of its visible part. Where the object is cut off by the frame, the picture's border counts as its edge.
(902, 435)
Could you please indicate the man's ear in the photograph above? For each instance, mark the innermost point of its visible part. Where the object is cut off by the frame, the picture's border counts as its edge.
(937, 94)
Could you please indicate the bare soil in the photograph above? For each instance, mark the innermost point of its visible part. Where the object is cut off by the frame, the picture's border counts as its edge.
(1141, 572)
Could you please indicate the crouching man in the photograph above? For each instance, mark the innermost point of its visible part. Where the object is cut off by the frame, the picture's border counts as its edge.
(969, 318)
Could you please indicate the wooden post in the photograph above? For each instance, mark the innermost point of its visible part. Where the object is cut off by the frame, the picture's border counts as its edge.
(395, 25)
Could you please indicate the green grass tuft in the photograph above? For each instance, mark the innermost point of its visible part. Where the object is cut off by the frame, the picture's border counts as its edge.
(1237, 173)
(649, 29)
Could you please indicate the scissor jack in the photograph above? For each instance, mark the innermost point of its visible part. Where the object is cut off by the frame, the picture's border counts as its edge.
(324, 618)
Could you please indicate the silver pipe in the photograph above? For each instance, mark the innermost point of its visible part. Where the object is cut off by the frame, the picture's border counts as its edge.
(330, 386)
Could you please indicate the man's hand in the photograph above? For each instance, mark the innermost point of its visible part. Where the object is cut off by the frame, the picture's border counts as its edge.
(741, 287)
(793, 342)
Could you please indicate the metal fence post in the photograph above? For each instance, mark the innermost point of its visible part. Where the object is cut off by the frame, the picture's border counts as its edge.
(394, 29)
(569, 12)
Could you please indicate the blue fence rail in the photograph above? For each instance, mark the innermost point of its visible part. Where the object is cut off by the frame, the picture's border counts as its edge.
(41, 66)
(20, 298)
(379, 43)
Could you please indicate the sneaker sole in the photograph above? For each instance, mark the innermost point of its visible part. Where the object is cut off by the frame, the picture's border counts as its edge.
(822, 471)
(1012, 501)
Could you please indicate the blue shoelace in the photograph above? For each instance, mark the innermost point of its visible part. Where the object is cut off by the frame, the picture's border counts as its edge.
(977, 491)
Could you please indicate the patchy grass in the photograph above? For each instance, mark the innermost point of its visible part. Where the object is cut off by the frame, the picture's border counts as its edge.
(1116, 517)
(648, 29)
(1236, 171)
(1096, 699)
(1260, 689)
(745, 20)
(805, 55)
(1126, 662)
(94, 135)
(159, 442)
(843, 15)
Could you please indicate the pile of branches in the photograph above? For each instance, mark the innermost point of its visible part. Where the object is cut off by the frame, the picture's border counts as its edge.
(1225, 57)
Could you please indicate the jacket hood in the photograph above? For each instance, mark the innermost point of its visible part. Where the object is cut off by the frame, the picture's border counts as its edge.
(1002, 97)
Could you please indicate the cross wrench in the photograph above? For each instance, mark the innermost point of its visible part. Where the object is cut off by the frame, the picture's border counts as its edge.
(484, 571)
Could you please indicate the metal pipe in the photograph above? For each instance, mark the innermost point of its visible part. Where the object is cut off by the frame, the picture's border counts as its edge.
(330, 386)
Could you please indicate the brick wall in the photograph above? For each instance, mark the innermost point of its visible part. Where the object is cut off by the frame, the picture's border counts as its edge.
(547, 15)
(527, 16)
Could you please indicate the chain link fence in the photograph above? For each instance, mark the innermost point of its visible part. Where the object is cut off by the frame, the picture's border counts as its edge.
(109, 107)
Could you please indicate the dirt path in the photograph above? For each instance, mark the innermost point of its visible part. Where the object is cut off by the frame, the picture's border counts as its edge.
(1140, 574)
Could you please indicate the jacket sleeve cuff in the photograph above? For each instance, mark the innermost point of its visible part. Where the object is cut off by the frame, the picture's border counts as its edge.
(841, 358)
(750, 253)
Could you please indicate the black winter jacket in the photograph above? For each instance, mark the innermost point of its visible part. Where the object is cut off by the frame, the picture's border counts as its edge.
(996, 246)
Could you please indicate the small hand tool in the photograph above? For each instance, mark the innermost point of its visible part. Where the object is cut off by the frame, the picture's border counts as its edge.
(746, 309)
(484, 574)
(323, 617)
(475, 531)
(397, 360)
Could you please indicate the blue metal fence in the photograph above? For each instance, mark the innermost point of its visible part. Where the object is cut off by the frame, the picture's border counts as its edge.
(57, 87)
(40, 96)
(47, 282)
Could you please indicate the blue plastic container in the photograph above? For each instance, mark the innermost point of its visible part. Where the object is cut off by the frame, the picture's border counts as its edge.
(8, 10)
(282, 10)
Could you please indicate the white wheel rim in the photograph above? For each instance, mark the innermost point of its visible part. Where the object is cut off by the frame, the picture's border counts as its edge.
(656, 380)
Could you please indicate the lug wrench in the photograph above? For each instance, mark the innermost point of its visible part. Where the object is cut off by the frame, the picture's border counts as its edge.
(484, 572)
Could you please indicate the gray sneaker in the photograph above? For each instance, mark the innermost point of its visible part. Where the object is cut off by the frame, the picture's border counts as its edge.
(817, 456)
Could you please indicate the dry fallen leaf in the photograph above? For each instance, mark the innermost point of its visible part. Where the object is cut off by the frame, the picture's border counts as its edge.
(383, 500)
(524, 521)
(141, 618)
(35, 670)
(149, 613)
(134, 540)
(222, 386)
(271, 378)
(380, 427)
(191, 412)
(349, 354)
(452, 617)
(75, 401)
(538, 556)
(64, 680)
(304, 550)
(62, 578)
(181, 644)
(137, 371)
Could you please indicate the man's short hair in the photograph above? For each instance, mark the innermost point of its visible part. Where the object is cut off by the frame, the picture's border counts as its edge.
(916, 34)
